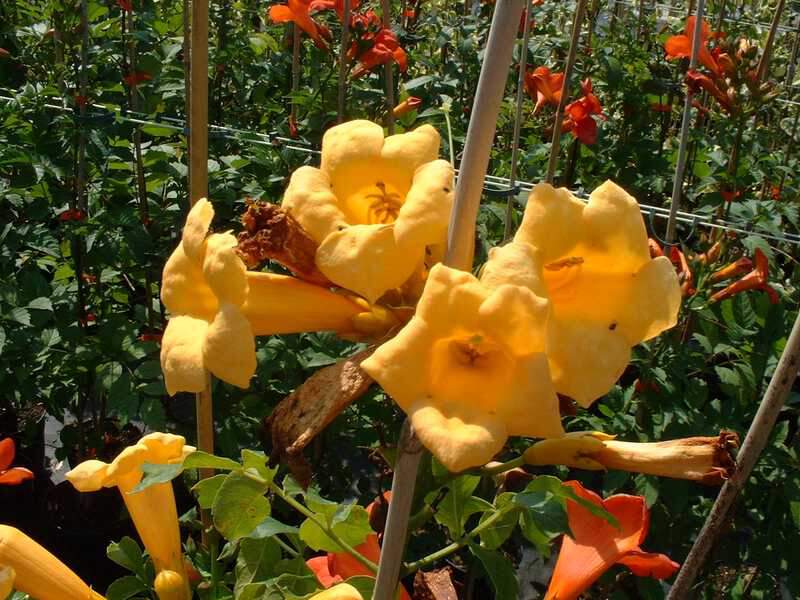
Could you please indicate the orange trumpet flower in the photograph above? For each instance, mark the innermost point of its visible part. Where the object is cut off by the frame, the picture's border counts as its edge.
(297, 12)
(406, 106)
(11, 475)
(579, 115)
(697, 81)
(734, 269)
(685, 275)
(544, 86)
(597, 545)
(754, 280)
(337, 5)
(655, 248)
(680, 46)
(137, 77)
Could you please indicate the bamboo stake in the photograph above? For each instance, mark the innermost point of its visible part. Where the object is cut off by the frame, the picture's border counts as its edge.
(680, 167)
(187, 79)
(763, 63)
(343, 70)
(555, 145)
(757, 437)
(523, 67)
(198, 168)
(388, 72)
(460, 249)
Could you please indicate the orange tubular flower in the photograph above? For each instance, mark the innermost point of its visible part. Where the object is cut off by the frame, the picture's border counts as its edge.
(406, 106)
(137, 77)
(680, 46)
(697, 81)
(598, 545)
(297, 12)
(685, 275)
(655, 248)
(544, 86)
(373, 44)
(11, 475)
(734, 269)
(754, 280)
(337, 5)
(579, 115)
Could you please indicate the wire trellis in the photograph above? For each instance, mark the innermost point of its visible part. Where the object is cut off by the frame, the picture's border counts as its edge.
(494, 185)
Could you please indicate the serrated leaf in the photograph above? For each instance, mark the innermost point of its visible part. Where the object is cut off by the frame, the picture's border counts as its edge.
(240, 506)
(41, 304)
(20, 315)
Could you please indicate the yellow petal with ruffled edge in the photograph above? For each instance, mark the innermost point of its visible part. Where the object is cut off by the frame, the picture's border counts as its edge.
(89, 476)
(182, 355)
(367, 260)
(341, 591)
(469, 368)
(310, 199)
(586, 359)
(196, 228)
(7, 575)
(224, 271)
(229, 347)
(425, 214)
(517, 263)
(184, 290)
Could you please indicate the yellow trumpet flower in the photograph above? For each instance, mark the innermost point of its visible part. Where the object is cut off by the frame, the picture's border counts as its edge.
(218, 306)
(341, 591)
(30, 568)
(152, 510)
(704, 459)
(607, 294)
(470, 368)
(376, 207)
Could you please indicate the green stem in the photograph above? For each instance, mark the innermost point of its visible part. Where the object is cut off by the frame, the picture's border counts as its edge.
(289, 550)
(502, 467)
(278, 491)
(213, 550)
(457, 545)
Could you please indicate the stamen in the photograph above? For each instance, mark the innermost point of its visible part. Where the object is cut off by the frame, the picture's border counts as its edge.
(564, 263)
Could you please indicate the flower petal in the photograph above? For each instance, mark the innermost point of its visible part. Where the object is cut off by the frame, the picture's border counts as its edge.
(596, 544)
(649, 564)
(341, 591)
(15, 476)
(367, 260)
(451, 296)
(654, 303)
(425, 214)
(89, 476)
(517, 263)
(229, 347)
(530, 407)
(586, 359)
(552, 223)
(412, 149)
(517, 317)
(319, 565)
(184, 290)
(163, 447)
(224, 271)
(310, 200)
(678, 46)
(348, 149)
(182, 355)
(7, 576)
(459, 436)
(194, 231)
(8, 450)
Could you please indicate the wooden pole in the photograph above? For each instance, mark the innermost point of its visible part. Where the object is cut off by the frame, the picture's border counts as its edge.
(388, 72)
(757, 436)
(460, 250)
(198, 173)
(343, 70)
(555, 145)
(763, 63)
(523, 67)
(680, 167)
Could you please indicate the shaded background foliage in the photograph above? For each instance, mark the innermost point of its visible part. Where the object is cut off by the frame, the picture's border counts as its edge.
(80, 317)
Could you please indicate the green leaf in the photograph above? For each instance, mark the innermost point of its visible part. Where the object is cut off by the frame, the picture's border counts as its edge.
(41, 304)
(159, 131)
(456, 508)
(203, 460)
(206, 490)
(270, 526)
(500, 571)
(257, 462)
(154, 474)
(255, 562)
(240, 506)
(125, 587)
(350, 523)
(20, 315)
(494, 537)
(127, 554)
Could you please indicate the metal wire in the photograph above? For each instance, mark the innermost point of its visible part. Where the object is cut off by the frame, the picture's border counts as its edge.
(493, 183)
